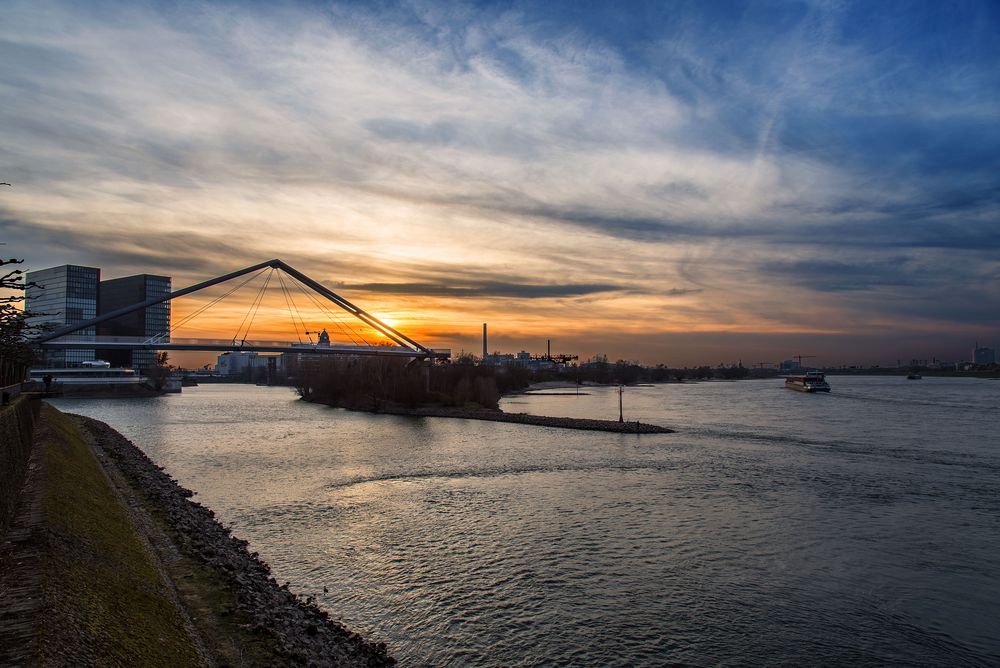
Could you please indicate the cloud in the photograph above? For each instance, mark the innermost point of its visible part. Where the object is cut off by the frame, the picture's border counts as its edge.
(602, 157)
(836, 276)
(486, 289)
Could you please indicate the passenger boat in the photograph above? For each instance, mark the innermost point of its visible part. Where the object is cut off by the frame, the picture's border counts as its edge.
(813, 381)
(89, 380)
(87, 374)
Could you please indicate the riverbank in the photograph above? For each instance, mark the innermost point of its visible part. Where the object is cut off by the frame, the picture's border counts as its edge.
(109, 562)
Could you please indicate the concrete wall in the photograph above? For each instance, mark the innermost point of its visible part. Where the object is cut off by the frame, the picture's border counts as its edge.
(17, 425)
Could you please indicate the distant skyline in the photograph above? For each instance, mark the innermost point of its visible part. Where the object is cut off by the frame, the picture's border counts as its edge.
(681, 182)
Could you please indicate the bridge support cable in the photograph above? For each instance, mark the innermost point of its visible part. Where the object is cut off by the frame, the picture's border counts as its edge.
(369, 319)
(293, 310)
(337, 319)
(254, 307)
(325, 311)
(191, 316)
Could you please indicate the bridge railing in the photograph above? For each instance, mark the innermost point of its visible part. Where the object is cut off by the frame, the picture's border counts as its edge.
(137, 341)
(255, 345)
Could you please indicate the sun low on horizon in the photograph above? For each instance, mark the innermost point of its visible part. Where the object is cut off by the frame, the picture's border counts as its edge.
(667, 183)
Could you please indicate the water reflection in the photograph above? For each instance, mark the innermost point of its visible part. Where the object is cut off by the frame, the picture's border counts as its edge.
(859, 527)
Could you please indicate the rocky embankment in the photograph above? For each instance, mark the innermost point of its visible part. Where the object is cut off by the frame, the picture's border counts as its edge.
(523, 418)
(304, 634)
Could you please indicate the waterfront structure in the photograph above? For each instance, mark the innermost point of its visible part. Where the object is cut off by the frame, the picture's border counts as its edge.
(984, 356)
(61, 296)
(149, 324)
(526, 360)
(234, 363)
(247, 363)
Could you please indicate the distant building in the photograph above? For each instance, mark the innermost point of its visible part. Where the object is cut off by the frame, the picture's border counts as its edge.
(790, 365)
(63, 295)
(984, 356)
(235, 363)
(250, 365)
(526, 360)
(152, 322)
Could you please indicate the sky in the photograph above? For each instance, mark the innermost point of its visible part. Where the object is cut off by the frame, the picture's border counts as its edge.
(667, 182)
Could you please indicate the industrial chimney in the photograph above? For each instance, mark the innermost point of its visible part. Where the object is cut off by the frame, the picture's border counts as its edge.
(484, 342)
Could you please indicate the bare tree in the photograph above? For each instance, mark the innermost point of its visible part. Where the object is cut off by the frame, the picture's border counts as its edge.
(15, 353)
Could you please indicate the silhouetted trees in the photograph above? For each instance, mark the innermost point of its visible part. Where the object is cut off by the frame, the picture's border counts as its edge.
(372, 382)
(598, 370)
(160, 371)
(15, 354)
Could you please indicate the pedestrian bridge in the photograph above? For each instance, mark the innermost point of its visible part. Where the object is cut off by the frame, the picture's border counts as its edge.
(391, 342)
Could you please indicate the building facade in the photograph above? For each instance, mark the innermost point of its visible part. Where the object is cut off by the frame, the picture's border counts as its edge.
(250, 366)
(984, 356)
(151, 323)
(61, 296)
(235, 363)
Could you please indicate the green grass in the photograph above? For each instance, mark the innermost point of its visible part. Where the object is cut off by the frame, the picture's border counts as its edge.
(108, 604)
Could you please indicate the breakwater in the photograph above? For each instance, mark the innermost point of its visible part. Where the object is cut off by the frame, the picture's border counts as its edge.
(496, 415)
(586, 424)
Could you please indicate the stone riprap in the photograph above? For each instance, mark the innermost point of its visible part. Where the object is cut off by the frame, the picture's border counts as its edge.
(304, 633)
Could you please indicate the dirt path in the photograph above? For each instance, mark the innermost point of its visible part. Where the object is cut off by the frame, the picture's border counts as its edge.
(20, 571)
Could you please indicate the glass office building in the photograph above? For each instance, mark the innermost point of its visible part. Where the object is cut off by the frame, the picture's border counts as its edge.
(71, 294)
(150, 323)
(61, 296)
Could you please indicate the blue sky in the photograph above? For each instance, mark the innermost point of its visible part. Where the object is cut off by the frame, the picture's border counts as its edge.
(676, 182)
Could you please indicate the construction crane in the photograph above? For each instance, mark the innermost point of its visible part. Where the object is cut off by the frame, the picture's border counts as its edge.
(801, 357)
(324, 338)
(761, 365)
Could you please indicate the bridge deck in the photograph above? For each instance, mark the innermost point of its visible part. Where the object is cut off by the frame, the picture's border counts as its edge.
(219, 345)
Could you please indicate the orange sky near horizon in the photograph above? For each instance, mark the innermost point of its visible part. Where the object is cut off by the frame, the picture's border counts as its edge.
(514, 324)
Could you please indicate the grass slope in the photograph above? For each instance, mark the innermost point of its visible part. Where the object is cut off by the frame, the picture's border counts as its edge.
(108, 604)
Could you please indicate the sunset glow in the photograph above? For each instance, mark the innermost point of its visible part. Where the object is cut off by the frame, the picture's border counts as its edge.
(664, 183)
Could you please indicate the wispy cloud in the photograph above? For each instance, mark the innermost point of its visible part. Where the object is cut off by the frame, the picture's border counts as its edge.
(678, 165)
(491, 289)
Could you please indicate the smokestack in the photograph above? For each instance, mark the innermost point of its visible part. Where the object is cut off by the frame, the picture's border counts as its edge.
(548, 348)
(484, 341)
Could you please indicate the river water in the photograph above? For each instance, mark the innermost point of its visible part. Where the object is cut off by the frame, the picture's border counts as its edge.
(860, 527)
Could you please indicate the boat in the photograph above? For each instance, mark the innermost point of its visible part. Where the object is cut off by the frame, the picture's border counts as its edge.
(813, 381)
(96, 379)
(913, 376)
(92, 373)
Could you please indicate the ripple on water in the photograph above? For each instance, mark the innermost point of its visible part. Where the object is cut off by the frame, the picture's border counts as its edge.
(859, 529)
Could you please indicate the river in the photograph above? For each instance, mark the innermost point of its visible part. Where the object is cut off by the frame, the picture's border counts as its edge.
(860, 527)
